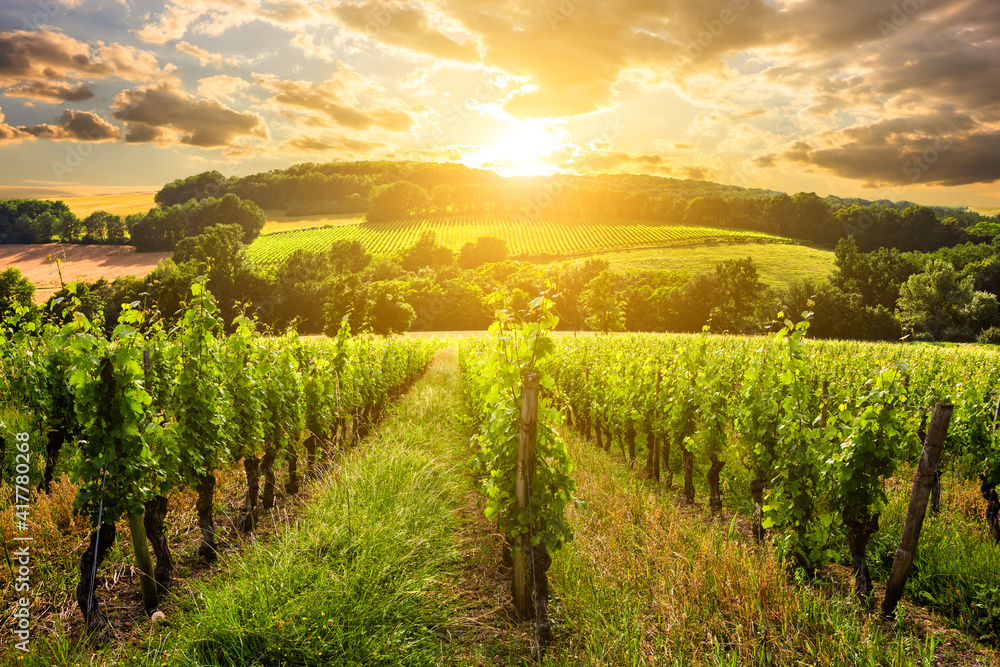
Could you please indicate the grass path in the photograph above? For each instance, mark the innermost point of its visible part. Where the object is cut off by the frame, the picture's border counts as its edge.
(371, 572)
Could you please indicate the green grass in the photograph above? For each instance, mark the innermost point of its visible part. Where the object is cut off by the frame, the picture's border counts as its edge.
(777, 264)
(360, 579)
(551, 238)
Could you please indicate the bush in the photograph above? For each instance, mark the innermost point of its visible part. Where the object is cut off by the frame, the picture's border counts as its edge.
(989, 336)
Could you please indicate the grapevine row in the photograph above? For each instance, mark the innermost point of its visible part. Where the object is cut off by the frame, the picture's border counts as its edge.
(524, 236)
(146, 411)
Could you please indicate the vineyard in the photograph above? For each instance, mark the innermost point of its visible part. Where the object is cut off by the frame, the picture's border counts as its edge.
(642, 499)
(158, 413)
(526, 237)
(813, 443)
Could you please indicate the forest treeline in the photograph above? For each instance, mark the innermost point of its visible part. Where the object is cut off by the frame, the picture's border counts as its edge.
(400, 190)
(901, 270)
(950, 294)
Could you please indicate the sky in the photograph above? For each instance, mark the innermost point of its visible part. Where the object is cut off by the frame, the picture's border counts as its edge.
(880, 99)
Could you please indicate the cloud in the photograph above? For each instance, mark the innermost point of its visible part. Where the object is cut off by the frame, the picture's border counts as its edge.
(214, 17)
(172, 24)
(345, 145)
(49, 55)
(346, 99)
(222, 87)
(403, 25)
(939, 148)
(166, 114)
(207, 57)
(71, 126)
(46, 55)
(52, 92)
(76, 126)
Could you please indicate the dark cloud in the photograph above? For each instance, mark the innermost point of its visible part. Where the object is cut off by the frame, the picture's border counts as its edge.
(71, 126)
(46, 55)
(166, 114)
(943, 148)
(76, 126)
(52, 92)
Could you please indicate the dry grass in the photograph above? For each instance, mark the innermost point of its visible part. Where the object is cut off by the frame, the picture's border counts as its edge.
(120, 204)
(647, 581)
(277, 221)
(60, 538)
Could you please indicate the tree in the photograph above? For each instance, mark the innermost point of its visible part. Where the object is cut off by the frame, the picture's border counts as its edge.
(15, 290)
(347, 257)
(69, 228)
(217, 252)
(875, 276)
(97, 224)
(708, 211)
(397, 200)
(603, 302)
(116, 230)
(161, 229)
(739, 294)
(484, 250)
(379, 307)
(938, 305)
(205, 185)
(388, 312)
(426, 252)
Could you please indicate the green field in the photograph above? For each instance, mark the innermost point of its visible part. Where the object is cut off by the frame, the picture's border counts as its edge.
(553, 237)
(778, 263)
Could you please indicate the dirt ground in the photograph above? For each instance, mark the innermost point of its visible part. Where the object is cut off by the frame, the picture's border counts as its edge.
(78, 262)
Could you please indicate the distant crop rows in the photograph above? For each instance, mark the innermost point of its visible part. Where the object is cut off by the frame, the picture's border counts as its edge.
(524, 236)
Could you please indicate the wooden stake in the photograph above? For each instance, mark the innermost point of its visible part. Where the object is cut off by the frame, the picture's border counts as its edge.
(656, 441)
(143, 562)
(923, 480)
(996, 415)
(522, 588)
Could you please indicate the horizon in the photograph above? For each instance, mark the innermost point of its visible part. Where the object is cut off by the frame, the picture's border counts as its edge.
(875, 100)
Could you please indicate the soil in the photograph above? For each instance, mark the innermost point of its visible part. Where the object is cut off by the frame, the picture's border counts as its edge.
(78, 262)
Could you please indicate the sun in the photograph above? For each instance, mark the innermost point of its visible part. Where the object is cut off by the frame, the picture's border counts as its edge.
(518, 151)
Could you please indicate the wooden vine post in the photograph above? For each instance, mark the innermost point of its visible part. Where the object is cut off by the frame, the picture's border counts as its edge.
(531, 595)
(923, 481)
(143, 561)
(652, 431)
(138, 531)
(522, 584)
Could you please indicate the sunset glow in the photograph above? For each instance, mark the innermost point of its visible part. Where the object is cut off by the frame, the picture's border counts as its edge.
(880, 100)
